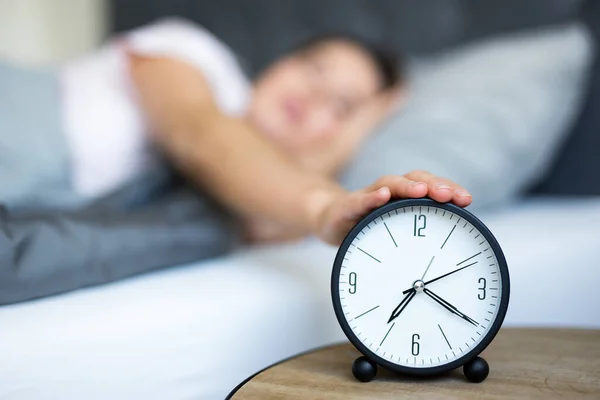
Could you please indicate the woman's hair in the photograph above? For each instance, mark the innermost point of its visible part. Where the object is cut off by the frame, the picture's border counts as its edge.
(389, 66)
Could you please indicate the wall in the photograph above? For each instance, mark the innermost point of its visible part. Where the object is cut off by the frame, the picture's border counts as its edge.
(43, 32)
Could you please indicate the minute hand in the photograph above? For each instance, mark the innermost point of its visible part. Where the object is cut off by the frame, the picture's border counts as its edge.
(449, 307)
(443, 276)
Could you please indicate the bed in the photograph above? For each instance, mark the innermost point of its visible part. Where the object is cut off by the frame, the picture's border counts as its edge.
(195, 331)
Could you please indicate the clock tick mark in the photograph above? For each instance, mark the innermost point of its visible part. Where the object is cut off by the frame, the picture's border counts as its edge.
(489, 312)
(369, 255)
(465, 225)
(473, 339)
(448, 237)
(443, 334)
(482, 242)
(461, 350)
(366, 312)
(390, 233)
(487, 320)
(493, 288)
(472, 229)
(478, 333)
(386, 335)
(463, 261)
(487, 249)
(479, 234)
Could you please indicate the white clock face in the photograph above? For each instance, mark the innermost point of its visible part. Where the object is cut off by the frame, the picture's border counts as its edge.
(420, 286)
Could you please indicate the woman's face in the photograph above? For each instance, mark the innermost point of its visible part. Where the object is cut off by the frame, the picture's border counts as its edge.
(305, 98)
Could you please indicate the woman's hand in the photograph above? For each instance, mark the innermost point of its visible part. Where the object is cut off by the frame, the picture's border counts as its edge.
(336, 216)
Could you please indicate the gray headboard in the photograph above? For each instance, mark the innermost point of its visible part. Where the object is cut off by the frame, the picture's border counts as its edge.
(258, 30)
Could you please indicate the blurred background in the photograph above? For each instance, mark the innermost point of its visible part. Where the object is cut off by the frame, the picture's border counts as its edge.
(504, 99)
(41, 32)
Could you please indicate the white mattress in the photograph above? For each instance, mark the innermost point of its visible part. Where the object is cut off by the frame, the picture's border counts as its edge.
(196, 331)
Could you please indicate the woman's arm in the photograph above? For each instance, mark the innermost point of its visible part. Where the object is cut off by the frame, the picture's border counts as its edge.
(241, 168)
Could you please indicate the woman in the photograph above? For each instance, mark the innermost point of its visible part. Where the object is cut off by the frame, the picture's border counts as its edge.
(268, 151)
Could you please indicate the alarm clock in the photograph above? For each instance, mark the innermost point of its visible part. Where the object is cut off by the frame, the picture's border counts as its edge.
(420, 288)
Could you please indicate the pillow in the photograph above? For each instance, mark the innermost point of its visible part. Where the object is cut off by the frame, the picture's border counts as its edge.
(489, 115)
(575, 170)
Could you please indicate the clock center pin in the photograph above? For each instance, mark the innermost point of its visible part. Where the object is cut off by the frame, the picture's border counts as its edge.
(419, 285)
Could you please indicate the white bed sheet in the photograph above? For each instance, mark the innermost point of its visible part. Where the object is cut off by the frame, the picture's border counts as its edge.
(194, 332)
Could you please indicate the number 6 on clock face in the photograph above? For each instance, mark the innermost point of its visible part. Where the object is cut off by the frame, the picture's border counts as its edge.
(420, 287)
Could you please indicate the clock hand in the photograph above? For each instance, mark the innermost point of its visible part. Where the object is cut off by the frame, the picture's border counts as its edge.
(443, 276)
(428, 265)
(449, 307)
(402, 305)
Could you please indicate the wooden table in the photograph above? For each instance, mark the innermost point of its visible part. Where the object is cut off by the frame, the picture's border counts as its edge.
(524, 364)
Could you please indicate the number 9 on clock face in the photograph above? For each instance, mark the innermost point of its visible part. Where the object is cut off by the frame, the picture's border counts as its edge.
(420, 287)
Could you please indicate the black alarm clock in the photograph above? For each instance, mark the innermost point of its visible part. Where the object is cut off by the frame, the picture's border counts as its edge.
(420, 288)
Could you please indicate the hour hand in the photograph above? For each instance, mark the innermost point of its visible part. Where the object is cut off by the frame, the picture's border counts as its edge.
(449, 307)
(402, 305)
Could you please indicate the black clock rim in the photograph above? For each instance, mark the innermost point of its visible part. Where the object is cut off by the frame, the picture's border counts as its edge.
(475, 351)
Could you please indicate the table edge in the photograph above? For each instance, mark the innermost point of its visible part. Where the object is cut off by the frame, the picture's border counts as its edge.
(303, 353)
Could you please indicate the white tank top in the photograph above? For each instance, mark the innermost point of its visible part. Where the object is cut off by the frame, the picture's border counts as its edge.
(104, 126)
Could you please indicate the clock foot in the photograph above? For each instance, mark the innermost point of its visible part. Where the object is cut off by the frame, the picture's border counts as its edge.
(364, 369)
(476, 370)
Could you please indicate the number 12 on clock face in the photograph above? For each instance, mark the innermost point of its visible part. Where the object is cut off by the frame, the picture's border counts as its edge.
(420, 287)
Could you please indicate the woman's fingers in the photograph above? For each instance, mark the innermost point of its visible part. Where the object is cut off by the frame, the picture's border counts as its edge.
(401, 187)
(442, 190)
(361, 203)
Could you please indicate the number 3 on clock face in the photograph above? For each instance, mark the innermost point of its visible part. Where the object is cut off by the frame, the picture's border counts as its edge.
(420, 287)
